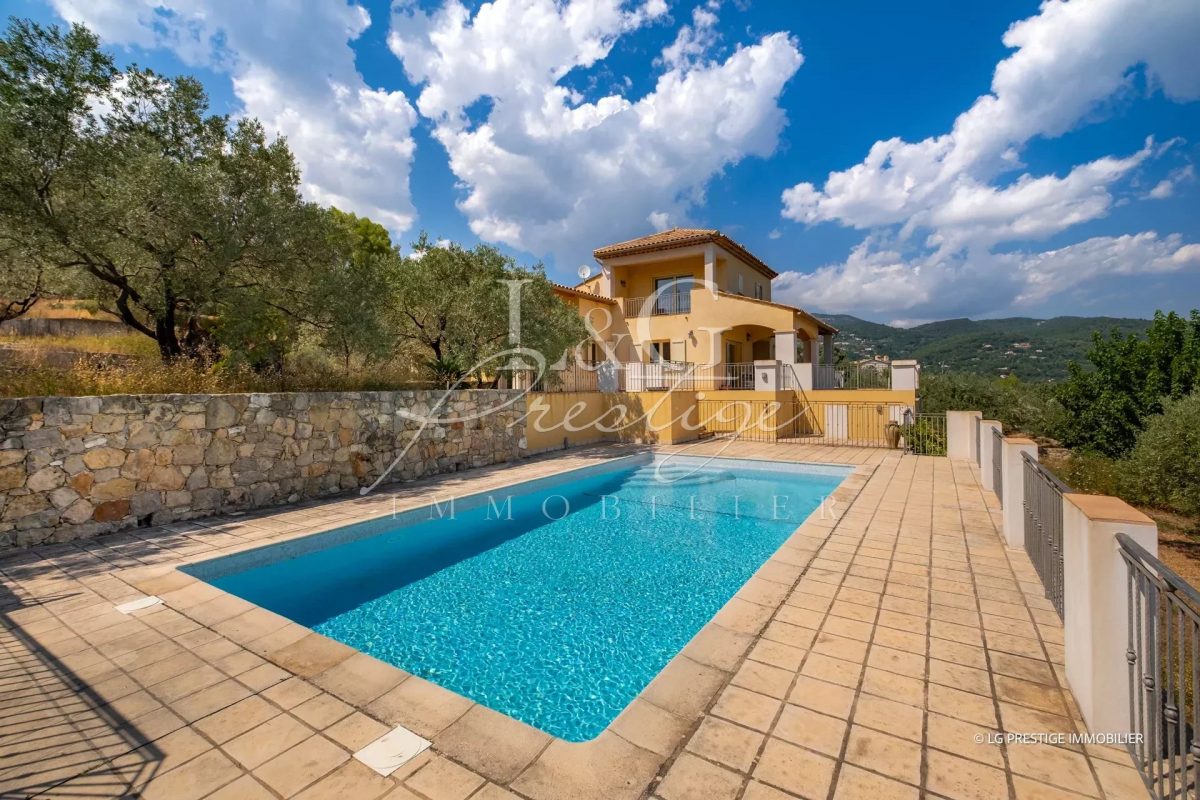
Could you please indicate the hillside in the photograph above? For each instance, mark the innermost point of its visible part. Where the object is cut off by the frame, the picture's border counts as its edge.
(1031, 349)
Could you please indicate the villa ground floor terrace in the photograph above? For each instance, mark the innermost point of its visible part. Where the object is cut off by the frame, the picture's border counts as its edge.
(880, 653)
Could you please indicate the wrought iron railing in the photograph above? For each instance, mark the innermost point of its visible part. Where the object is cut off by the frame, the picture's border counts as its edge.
(1043, 502)
(997, 469)
(870, 375)
(806, 422)
(1164, 670)
(925, 434)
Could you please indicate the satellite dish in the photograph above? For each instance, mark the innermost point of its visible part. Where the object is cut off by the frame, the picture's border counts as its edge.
(584, 271)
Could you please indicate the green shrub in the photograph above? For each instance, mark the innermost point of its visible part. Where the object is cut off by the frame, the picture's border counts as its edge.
(1028, 408)
(1091, 473)
(1163, 469)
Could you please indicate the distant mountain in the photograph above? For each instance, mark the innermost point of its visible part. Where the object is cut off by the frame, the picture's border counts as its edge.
(1031, 349)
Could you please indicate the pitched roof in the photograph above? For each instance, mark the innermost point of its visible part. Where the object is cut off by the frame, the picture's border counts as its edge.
(573, 292)
(682, 237)
(822, 325)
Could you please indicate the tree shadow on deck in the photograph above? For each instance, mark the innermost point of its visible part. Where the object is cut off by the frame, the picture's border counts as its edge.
(59, 736)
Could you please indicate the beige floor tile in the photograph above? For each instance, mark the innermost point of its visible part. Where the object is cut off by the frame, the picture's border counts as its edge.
(964, 739)
(815, 731)
(420, 706)
(259, 745)
(236, 719)
(889, 716)
(301, 766)
(244, 788)
(193, 780)
(833, 670)
(890, 755)
(311, 655)
(963, 705)
(794, 769)
(360, 679)
(760, 791)
(718, 647)
(290, 693)
(726, 743)
(606, 768)
(751, 709)
(322, 711)
(684, 687)
(764, 679)
(651, 728)
(828, 698)
(353, 780)
(959, 778)
(777, 654)
(859, 784)
(493, 744)
(356, 731)
(693, 778)
(1054, 765)
(1026, 693)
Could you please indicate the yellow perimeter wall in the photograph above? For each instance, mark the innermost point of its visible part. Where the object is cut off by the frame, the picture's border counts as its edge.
(567, 419)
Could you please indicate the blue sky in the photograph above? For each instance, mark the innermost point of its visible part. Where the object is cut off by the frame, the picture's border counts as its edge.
(902, 162)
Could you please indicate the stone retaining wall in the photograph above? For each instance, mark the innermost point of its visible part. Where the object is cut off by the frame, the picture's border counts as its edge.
(77, 467)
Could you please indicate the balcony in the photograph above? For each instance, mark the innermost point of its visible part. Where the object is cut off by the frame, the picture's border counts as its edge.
(852, 376)
(664, 304)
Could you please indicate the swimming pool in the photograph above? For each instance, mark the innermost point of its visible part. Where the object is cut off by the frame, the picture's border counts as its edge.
(554, 601)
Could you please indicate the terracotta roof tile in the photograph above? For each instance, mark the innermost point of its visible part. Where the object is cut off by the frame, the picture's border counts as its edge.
(573, 292)
(682, 237)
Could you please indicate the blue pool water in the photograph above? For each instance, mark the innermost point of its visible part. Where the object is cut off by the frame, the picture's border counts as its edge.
(559, 623)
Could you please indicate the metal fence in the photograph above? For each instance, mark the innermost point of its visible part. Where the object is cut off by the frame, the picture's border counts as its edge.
(1043, 501)
(888, 425)
(665, 303)
(869, 375)
(1164, 670)
(979, 441)
(925, 434)
(997, 471)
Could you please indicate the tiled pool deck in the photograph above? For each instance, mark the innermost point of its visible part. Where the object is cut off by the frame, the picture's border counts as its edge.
(864, 660)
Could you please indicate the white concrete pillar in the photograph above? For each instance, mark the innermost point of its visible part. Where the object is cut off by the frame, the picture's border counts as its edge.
(785, 346)
(906, 375)
(960, 434)
(710, 267)
(766, 376)
(985, 443)
(1012, 465)
(1095, 604)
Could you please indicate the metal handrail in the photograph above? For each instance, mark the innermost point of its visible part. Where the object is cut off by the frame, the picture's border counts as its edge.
(1042, 498)
(1170, 579)
(1163, 654)
(997, 468)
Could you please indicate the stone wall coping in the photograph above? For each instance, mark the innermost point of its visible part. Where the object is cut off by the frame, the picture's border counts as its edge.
(1102, 508)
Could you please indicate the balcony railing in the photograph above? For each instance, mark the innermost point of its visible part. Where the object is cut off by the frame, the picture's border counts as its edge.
(663, 304)
(852, 376)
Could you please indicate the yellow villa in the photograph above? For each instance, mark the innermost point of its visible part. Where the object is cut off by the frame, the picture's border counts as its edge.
(696, 300)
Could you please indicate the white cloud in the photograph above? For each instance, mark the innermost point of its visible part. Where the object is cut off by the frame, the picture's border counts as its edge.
(693, 42)
(1070, 61)
(554, 174)
(881, 282)
(292, 66)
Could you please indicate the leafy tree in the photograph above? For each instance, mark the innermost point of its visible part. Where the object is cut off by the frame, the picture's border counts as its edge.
(451, 306)
(352, 289)
(1022, 406)
(1163, 469)
(1107, 406)
(169, 217)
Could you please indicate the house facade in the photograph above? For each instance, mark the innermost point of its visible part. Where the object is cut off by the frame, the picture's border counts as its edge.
(695, 296)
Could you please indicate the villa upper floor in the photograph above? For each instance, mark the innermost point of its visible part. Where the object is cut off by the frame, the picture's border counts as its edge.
(695, 295)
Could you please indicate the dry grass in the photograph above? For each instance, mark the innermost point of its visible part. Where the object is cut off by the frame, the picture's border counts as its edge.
(130, 344)
(65, 309)
(29, 377)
